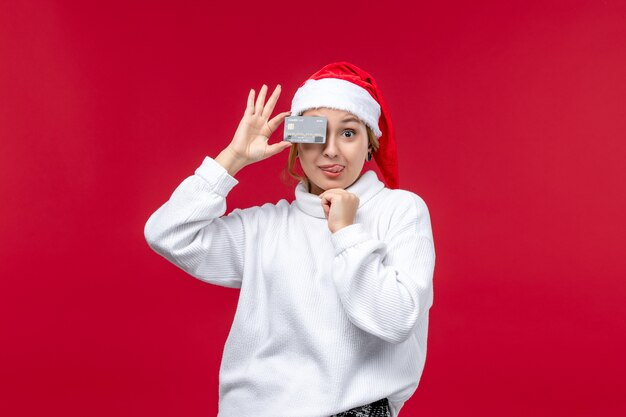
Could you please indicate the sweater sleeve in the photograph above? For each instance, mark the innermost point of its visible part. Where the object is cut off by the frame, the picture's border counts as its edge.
(385, 286)
(190, 230)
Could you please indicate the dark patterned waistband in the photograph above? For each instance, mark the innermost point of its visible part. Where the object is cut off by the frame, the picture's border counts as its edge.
(378, 408)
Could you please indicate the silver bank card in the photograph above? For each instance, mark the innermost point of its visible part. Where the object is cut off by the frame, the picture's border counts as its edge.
(305, 129)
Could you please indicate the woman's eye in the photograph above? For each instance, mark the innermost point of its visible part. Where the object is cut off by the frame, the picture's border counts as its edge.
(351, 132)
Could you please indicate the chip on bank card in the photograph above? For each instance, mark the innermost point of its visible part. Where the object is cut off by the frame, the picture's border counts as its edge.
(305, 129)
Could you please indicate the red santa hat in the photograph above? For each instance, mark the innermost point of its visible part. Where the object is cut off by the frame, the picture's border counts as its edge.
(344, 86)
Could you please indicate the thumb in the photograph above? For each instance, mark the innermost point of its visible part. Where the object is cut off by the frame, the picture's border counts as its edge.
(278, 147)
(277, 120)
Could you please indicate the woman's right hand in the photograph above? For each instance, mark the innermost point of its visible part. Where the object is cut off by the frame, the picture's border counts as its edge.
(249, 144)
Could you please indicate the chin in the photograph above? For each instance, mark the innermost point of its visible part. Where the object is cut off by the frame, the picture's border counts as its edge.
(327, 183)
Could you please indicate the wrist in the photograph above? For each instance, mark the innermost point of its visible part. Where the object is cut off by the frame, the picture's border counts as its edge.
(336, 228)
(230, 161)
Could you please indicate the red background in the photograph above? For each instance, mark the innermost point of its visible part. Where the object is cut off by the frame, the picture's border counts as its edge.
(510, 123)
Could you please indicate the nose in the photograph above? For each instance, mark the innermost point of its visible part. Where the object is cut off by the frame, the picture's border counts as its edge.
(330, 147)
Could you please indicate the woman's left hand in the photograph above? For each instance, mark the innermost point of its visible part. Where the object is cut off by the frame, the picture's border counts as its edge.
(339, 207)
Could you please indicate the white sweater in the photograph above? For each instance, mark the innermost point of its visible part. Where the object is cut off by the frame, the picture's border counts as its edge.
(325, 321)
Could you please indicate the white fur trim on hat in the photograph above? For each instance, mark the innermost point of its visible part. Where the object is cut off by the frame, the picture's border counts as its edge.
(337, 94)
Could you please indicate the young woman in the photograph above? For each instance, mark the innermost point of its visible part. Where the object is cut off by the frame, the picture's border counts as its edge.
(335, 286)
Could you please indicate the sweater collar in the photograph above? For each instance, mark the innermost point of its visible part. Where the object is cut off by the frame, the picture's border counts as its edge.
(365, 188)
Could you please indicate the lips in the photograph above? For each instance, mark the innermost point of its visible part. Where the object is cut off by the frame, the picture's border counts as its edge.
(332, 168)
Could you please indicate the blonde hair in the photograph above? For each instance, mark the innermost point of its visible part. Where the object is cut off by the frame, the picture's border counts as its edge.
(291, 161)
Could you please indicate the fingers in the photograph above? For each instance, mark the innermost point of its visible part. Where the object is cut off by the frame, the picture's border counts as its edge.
(326, 210)
(250, 106)
(258, 108)
(271, 102)
(329, 194)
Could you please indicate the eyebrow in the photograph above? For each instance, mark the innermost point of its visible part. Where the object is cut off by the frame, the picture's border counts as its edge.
(350, 119)
(346, 120)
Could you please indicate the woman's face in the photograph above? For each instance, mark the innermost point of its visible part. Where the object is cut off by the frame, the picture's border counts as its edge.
(345, 151)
